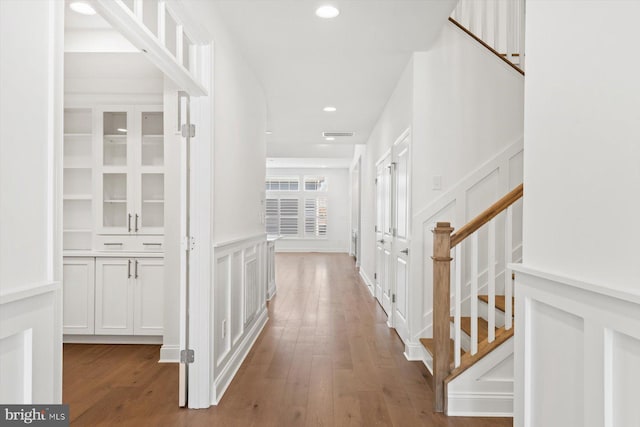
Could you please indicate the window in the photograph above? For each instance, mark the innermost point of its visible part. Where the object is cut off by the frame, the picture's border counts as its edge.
(315, 217)
(292, 213)
(315, 183)
(291, 183)
(282, 216)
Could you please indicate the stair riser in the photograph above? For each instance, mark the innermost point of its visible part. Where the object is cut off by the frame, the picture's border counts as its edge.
(483, 311)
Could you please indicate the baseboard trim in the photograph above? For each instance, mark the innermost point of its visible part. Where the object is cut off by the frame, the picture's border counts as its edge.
(272, 294)
(111, 339)
(413, 352)
(366, 281)
(169, 354)
(227, 374)
(482, 404)
(313, 250)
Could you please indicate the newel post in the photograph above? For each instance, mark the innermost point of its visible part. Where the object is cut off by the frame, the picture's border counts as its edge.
(441, 309)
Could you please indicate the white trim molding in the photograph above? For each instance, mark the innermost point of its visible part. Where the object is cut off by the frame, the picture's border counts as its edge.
(577, 351)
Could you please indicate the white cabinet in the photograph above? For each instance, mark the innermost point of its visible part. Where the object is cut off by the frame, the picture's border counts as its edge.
(129, 296)
(130, 178)
(78, 295)
(148, 298)
(114, 297)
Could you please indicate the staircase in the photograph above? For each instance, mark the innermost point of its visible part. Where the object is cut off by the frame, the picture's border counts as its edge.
(469, 326)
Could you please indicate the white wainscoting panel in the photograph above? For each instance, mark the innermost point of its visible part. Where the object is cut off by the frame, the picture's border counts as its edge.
(476, 192)
(30, 341)
(239, 305)
(577, 352)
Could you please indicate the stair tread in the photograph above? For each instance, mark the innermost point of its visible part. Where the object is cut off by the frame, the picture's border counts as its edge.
(430, 345)
(501, 303)
(483, 327)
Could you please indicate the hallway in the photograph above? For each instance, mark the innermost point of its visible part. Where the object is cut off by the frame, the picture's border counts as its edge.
(325, 358)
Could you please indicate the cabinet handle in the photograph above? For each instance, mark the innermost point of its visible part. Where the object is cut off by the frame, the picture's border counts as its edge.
(129, 269)
(137, 216)
(136, 276)
(129, 224)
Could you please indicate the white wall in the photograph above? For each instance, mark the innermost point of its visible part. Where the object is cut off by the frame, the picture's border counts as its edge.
(239, 145)
(31, 48)
(338, 233)
(582, 141)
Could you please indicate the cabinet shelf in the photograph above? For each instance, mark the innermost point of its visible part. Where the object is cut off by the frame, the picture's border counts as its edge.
(77, 135)
(153, 201)
(115, 201)
(77, 197)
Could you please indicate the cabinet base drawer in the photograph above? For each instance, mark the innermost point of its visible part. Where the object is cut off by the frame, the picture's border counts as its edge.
(130, 243)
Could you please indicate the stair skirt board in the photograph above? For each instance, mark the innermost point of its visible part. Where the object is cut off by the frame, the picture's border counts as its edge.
(415, 352)
(486, 388)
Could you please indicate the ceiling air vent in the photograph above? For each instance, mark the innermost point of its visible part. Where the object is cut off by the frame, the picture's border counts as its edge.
(336, 134)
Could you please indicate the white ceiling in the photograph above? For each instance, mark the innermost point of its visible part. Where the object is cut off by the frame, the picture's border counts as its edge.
(351, 62)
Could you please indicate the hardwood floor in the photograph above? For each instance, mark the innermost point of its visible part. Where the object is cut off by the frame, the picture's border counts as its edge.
(325, 358)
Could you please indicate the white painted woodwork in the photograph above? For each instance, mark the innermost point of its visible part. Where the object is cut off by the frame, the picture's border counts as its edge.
(114, 296)
(499, 23)
(239, 306)
(271, 269)
(457, 305)
(508, 281)
(148, 296)
(491, 285)
(486, 388)
(78, 275)
(586, 336)
(473, 296)
(384, 240)
(156, 45)
(401, 233)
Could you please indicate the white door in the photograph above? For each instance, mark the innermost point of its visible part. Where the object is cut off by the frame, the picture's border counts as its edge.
(148, 305)
(384, 236)
(401, 193)
(114, 296)
(78, 296)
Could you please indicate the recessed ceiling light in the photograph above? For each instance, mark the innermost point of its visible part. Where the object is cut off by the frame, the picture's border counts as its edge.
(121, 130)
(82, 8)
(327, 12)
(329, 109)
(330, 138)
(268, 132)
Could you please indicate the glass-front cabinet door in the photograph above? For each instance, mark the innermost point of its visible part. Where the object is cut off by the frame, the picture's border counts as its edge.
(151, 171)
(131, 178)
(116, 213)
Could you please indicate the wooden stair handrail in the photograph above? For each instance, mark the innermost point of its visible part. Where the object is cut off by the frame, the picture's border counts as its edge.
(487, 215)
(443, 241)
(479, 40)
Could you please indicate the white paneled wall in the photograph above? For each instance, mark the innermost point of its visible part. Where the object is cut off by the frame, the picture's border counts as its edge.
(468, 198)
(577, 352)
(239, 305)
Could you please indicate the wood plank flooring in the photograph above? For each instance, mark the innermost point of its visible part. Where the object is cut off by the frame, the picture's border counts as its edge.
(325, 358)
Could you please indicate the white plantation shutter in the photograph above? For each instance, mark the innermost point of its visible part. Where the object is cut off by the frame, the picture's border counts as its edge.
(289, 217)
(315, 217)
(272, 217)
